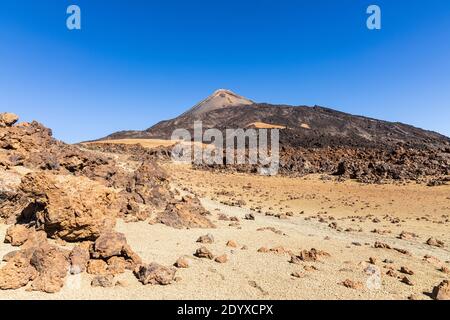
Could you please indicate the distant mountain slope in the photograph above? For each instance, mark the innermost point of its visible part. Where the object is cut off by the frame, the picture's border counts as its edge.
(305, 126)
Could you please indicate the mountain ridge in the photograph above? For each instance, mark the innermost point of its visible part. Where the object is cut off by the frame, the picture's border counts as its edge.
(306, 126)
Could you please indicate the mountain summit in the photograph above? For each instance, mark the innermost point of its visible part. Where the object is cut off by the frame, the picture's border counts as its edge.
(220, 99)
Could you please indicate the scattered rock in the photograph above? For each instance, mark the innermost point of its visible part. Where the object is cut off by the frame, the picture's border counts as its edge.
(97, 267)
(103, 281)
(373, 260)
(435, 243)
(407, 235)
(403, 251)
(310, 268)
(203, 252)
(357, 285)
(232, 244)
(221, 259)
(392, 273)
(250, 216)
(297, 274)
(17, 235)
(432, 260)
(407, 281)
(441, 291)
(308, 256)
(407, 271)
(108, 245)
(206, 238)
(444, 269)
(8, 119)
(154, 273)
(187, 213)
(79, 257)
(381, 245)
(182, 262)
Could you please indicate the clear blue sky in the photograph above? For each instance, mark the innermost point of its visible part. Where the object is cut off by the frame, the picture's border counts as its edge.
(135, 63)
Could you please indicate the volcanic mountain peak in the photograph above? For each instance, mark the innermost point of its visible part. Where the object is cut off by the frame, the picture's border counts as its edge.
(220, 99)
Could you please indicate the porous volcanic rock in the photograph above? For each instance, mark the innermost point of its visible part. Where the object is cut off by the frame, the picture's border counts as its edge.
(17, 273)
(108, 245)
(441, 291)
(8, 119)
(154, 273)
(187, 213)
(79, 257)
(66, 207)
(52, 266)
(17, 235)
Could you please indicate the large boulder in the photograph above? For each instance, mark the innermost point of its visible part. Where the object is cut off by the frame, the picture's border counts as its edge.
(8, 119)
(67, 207)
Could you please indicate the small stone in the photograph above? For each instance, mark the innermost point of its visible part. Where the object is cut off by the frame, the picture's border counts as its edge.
(103, 281)
(121, 283)
(222, 259)
(407, 271)
(441, 291)
(154, 273)
(434, 242)
(97, 267)
(249, 216)
(392, 273)
(407, 281)
(206, 239)
(357, 285)
(297, 274)
(203, 252)
(232, 244)
(182, 262)
(444, 269)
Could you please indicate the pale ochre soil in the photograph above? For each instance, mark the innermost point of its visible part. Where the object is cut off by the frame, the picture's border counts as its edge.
(146, 143)
(263, 125)
(252, 275)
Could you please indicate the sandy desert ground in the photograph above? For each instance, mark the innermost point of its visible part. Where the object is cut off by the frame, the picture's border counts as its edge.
(146, 143)
(344, 219)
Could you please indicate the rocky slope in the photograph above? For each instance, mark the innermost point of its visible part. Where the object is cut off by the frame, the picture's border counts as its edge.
(322, 140)
(308, 127)
(51, 193)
